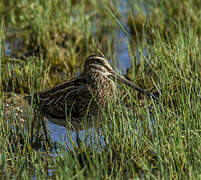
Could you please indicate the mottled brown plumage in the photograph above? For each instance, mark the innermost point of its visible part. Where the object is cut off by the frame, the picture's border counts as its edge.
(85, 94)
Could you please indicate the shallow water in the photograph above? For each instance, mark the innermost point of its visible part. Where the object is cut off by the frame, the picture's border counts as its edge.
(91, 137)
(61, 135)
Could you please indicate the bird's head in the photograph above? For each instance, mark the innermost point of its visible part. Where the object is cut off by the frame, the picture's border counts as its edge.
(99, 64)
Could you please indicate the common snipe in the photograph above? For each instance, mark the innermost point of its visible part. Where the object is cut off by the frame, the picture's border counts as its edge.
(82, 95)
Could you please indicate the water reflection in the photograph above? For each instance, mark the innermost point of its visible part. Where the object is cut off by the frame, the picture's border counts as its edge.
(60, 135)
(8, 49)
(93, 137)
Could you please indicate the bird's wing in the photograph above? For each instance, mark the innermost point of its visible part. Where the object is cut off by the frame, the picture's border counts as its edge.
(70, 98)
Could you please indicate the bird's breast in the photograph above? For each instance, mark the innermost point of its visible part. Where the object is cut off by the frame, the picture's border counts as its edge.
(102, 88)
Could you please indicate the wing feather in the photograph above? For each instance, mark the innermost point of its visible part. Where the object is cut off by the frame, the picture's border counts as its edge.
(70, 98)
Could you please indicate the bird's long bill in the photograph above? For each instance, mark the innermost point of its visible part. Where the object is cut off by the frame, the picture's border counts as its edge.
(128, 83)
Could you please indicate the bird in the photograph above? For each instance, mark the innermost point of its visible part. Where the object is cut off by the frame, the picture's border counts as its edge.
(84, 95)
